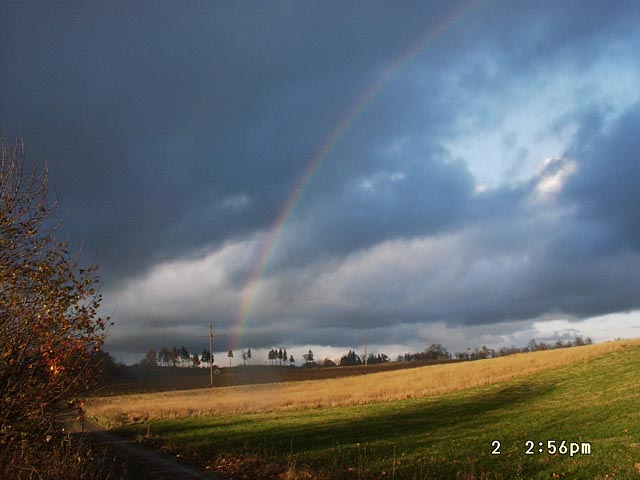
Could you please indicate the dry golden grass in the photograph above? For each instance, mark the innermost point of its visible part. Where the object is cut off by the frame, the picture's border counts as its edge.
(377, 387)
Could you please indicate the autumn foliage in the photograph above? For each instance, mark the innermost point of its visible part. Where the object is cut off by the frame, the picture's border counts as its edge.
(49, 323)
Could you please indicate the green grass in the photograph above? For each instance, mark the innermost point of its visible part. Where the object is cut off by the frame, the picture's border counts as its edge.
(449, 436)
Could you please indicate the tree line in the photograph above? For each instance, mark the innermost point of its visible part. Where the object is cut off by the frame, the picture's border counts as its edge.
(439, 352)
(180, 357)
(532, 346)
(280, 356)
(174, 357)
(352, 359)
(434, 351)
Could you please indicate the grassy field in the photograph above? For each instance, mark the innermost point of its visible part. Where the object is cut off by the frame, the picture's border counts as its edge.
(594, 404)
(358, 390)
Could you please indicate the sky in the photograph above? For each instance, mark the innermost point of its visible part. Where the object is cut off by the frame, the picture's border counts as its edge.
(308, 174)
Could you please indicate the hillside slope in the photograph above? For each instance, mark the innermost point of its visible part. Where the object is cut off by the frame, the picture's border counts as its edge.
(592, 406)
(378, 387)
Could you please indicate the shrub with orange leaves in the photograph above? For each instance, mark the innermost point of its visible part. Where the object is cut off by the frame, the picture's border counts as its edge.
(49, 321)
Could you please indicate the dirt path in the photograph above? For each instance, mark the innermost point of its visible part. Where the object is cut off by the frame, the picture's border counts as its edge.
(124, 459)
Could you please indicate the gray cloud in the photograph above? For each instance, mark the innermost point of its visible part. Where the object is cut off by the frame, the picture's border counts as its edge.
(177, 134)
(605, 189)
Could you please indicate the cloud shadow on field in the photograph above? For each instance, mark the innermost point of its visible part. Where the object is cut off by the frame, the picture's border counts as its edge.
(426, 420)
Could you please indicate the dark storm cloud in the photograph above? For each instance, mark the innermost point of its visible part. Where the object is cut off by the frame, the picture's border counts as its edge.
(415, 197)
(177, 134)
(606, 187)
(153, 117)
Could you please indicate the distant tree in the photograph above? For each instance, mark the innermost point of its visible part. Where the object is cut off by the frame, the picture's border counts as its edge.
(588, 341)
(468, 355)
(350, 359)
(485, 352)
(578, 341)
(249, 355)
(244, 358)
(503, 351)
(150, 359)
(164, 356)
(185, 356)
(195, 361)
(379, 358)
(206, 356)
(103, 365)
(292, 362)
(327, 362)
(532, 346)
(230, 355)
(280, 356)
(436, 351)
(174, 356)
(308, 357)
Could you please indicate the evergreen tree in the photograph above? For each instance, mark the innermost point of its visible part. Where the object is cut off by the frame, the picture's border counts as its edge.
(206, 356)
(184, 356)
(164, 356)
(195, 361)
(308, 357)
(174, 356)
(350, 359)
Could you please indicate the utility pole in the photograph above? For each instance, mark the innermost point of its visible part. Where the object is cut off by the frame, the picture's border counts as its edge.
(211, 335)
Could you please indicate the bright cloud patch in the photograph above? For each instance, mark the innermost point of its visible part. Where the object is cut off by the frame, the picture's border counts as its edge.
(205, 286)
(552, 176)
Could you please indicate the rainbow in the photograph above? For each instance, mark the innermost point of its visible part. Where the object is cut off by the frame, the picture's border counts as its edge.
(336, 135)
